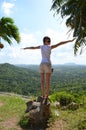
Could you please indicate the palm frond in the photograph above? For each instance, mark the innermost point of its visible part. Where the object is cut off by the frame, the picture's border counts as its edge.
(8, 30)
(6, 38)
(75, 10)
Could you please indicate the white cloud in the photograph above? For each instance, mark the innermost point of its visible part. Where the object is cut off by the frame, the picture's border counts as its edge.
(14, 54)
(7, 7)
(58, 36)
(28, 39)
(63, 54)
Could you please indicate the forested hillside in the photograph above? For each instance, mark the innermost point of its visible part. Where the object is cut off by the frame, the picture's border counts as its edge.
(18, 80)
(26, 79)
(70, 78)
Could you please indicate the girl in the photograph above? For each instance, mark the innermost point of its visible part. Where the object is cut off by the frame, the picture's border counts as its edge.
(45, 66)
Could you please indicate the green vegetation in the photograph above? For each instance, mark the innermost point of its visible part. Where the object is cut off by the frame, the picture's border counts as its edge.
(68, 84)
(8, 30)
(13, 108)
(74, 11)
(63, 97)
(24, 122)
(69, 78)
(74, 119)
(66, 98)
(82, 125)
(11, 111)
(70, 119)
(18, 80)
(25, 80)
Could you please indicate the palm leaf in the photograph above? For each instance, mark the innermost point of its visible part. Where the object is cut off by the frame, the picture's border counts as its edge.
(8, 30)
(75, 10)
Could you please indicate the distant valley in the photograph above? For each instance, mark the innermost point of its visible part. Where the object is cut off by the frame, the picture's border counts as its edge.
(25, 79)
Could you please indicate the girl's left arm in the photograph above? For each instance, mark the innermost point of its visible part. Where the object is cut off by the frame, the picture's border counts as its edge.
(61, 43)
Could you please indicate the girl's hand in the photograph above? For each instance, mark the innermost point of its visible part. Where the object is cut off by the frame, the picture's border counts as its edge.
(72, 40)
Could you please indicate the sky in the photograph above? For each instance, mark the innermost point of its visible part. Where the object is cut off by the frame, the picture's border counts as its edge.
(35, 20)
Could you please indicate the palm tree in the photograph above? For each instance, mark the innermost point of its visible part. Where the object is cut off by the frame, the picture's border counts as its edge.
(75, 11)
(8, 31)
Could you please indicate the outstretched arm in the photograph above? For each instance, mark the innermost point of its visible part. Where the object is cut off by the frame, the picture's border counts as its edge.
(37, 47)
(61, 43)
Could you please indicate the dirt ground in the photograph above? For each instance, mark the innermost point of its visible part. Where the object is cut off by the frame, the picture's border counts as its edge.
(58, 125)
(1, 104)
(12, 123)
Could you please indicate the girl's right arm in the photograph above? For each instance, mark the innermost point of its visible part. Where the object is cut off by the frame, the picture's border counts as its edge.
(37, 47)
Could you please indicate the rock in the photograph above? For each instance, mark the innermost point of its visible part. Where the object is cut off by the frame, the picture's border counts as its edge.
(64, 108)
(56, 113)
(56, 104)
(38, 111)
(73, 106)
(29, 106)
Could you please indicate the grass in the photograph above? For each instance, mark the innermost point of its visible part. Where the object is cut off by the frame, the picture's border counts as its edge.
(74, 120)
(14, 107)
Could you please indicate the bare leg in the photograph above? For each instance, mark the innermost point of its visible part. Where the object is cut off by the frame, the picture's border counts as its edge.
(42, 83)
(48, 75)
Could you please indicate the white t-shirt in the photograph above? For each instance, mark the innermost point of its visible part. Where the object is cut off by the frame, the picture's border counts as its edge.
(45, 51)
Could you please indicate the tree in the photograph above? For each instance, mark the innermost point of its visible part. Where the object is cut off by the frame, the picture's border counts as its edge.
(75, 11)
(8, 31)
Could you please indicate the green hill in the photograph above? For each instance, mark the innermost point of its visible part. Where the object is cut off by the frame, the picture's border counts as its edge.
(69, 78)
(25, 80)
(18, 80)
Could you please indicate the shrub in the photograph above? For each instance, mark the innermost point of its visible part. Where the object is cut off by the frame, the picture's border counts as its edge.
(63, 97)
(24, 122)
(82, 125)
